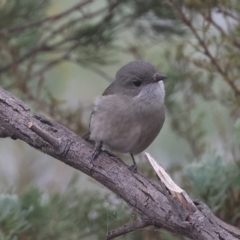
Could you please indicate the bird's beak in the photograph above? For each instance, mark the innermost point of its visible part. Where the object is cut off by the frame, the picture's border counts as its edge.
(159, 77)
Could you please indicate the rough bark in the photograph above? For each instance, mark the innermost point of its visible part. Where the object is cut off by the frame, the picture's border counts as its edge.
(156, 205)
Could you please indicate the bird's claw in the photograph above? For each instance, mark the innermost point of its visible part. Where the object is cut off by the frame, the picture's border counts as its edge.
(133, 168)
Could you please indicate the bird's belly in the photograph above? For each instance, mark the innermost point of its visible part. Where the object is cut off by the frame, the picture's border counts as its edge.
(149, 132)
(128, 130)
(137, 138)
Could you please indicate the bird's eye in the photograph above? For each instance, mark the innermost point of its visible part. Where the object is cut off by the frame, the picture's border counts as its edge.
(137, 83)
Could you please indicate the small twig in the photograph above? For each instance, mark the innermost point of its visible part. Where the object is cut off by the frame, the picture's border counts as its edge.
(203, 44)
(220, 29)
(55, 142)
(29, 54)
(95, 69)
(49, 48)
(40, 22)
(71, 23)
(139, 223)
(54, 62)
(102, 73)
(228, 13)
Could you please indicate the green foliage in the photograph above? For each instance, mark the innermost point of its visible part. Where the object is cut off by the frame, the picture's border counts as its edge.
(217, 183)
(181, 103)
(71, 215)
(154, 17)
(204, 67)
(13, 218)
(16, 12)
(237, 131)
(97, 40)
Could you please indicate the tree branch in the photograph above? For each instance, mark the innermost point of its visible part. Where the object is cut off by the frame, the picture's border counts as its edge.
(151, 201)
(3, 132)
(133, 226)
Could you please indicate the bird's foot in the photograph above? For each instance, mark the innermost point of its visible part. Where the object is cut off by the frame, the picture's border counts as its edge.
(96, 151)
(133, 168)
(93, 156)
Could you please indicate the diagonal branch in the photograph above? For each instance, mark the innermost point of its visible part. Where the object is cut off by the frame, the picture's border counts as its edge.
(151, 201)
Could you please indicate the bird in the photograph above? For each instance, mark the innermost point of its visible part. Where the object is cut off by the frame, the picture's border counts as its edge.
(130, 113)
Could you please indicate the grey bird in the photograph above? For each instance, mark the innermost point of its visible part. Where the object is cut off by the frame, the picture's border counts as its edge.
(130, 113)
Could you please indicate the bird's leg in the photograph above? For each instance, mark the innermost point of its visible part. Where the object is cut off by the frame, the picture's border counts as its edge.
(133, 168)
(97, 150)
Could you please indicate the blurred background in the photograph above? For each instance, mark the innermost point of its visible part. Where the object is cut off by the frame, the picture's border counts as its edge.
(58, 56)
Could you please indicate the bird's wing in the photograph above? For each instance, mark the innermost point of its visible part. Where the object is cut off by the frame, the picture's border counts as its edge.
(108, 91)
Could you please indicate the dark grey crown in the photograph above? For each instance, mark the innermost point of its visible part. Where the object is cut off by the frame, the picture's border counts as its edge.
(136, 70)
